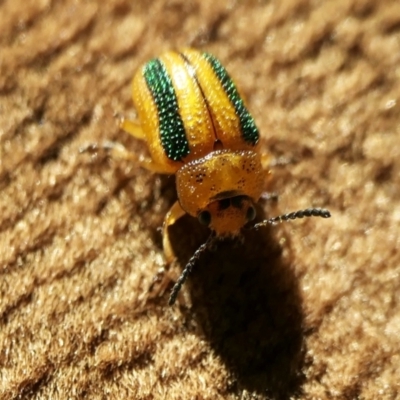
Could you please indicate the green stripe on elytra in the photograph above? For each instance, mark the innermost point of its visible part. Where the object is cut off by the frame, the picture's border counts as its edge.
(247, 124)
(172, 130)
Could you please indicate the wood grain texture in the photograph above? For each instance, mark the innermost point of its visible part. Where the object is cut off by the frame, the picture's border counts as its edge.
(306, 310)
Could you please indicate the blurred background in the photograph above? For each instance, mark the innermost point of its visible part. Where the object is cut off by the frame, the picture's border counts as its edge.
(306, 310)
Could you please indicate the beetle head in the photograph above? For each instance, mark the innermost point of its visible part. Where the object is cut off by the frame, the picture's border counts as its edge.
(227, 216)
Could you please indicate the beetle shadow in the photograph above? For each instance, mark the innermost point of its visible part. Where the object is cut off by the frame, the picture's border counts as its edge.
(246, 302)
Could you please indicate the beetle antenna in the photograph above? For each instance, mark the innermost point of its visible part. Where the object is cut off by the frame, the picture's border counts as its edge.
(308, 212)
(188, 269)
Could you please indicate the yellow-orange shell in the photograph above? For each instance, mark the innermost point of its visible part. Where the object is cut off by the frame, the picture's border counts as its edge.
(197, 126)
(207, 113)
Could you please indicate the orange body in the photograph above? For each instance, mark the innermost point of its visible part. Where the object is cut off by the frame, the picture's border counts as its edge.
(197, 127)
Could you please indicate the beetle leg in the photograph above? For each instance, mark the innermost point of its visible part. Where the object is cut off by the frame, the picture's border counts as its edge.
(133, 128)
(269, 196)
(282, 162)
(265, 164)
(160, 283)
(163, 278)
(265, 161)
(118, 151)
(172, 216)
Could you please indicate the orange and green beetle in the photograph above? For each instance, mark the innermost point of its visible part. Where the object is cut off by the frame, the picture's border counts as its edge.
(197, 127)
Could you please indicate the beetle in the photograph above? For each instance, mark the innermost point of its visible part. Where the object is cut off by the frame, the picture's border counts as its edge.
(197, 126)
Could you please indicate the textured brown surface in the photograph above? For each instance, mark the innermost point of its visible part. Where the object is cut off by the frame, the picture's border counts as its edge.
(309, 309)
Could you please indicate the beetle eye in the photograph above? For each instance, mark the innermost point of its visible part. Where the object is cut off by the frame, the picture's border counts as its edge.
(204, 218)
(251, 213)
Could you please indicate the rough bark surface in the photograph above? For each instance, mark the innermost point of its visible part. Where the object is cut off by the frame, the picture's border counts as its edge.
(306, 310)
